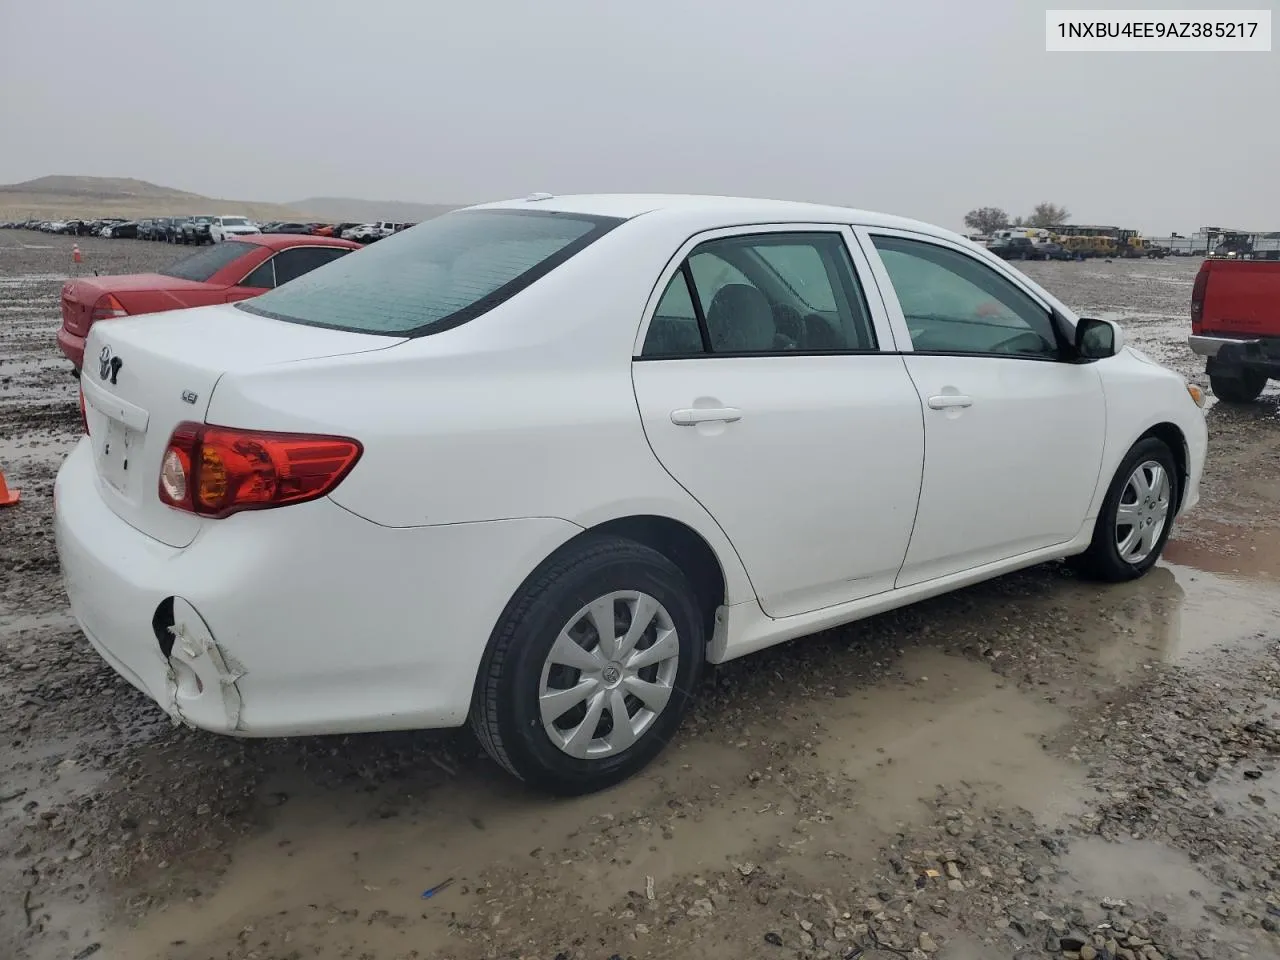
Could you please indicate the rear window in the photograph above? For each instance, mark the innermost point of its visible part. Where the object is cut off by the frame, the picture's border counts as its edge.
(203, 265)
(436, 275)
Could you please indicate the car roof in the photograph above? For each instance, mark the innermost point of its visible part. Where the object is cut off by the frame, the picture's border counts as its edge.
(715, 210)
(278, 241)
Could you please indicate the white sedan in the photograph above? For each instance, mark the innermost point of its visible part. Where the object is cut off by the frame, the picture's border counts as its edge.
(531, 465)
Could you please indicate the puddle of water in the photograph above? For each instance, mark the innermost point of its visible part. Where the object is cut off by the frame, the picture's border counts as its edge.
(1144, 873)
(330, 852)
(954, 723)
(1173, 614)
(1235, 552)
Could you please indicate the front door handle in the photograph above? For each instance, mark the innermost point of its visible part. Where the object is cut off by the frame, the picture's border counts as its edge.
(695, 415)
(948, 400)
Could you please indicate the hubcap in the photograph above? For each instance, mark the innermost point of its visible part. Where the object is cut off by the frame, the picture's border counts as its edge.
(1143, 512)
(609, 675)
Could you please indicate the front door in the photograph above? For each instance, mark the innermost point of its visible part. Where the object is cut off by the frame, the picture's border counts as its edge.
(765, 392)
(1014, 431)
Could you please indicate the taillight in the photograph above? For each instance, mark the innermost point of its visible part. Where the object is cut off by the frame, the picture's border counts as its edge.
(84, 413)
(107, 308)
(217, 471)
(1198, 291)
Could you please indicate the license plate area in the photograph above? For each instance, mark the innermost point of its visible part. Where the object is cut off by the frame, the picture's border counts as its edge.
(115, 453)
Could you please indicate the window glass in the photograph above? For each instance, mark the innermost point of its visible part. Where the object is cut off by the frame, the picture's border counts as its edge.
(448, 269)
(673, 331)
(262, 276)
(291, 264)
(802, 266)
(710, 273)
(781, 292)
(955, 304)
(203, 265)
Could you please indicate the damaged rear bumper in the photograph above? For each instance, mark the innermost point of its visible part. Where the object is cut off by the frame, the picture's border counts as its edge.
(302, 620)
(159, 643)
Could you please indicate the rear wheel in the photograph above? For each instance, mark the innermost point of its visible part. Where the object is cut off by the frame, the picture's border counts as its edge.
(1244, 387)
(1136, 515)
(591, 667)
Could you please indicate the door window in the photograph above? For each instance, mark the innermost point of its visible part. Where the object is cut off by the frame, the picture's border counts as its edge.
(955, 304)
(763, 293)
(291, 264)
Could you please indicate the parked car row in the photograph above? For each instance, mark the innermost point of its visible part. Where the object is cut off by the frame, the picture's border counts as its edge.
(78, 228)
(211, 228)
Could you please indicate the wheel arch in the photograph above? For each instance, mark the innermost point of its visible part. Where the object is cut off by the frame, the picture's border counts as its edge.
(682, 545)
(1176, 441)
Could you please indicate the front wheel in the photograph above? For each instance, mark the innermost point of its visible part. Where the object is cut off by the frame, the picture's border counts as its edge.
(1136, 516)
(1245, 387)
(591, 667)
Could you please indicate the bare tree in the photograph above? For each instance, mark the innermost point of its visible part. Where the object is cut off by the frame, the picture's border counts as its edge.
(986, 219)
(1048, 215)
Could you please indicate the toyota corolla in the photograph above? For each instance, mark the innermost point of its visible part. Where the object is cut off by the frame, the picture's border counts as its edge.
(530, 466)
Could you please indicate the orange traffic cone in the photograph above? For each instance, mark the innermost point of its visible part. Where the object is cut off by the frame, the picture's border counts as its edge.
(7, 497)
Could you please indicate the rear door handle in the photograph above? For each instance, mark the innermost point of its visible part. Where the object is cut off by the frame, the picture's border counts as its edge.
(949, 400)
(695, 415)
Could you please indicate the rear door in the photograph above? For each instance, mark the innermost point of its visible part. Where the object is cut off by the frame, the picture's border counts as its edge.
(1014, 432)
(769, 388)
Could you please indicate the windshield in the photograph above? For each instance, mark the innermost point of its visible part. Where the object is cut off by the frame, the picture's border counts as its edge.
(234, 222)
(203, 265)
(436, 275)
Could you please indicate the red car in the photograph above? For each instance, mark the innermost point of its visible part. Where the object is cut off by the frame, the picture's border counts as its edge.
(232, 270)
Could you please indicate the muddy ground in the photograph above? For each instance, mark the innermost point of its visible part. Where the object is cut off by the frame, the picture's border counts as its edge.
(1033, 767)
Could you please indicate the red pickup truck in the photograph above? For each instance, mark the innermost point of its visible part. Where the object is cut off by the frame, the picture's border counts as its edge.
(1235, 323)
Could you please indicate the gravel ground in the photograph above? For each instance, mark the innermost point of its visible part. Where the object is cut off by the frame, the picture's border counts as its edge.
(1034, 767)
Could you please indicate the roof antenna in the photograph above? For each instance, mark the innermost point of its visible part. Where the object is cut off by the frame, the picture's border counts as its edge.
(539, 196)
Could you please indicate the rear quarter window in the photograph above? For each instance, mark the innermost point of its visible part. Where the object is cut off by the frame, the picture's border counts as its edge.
(203, 265)
(436, 275)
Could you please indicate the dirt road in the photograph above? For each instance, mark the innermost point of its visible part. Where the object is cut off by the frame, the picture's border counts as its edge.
(1034, 767)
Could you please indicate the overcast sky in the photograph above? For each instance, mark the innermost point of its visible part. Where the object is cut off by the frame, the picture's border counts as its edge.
(919, 107)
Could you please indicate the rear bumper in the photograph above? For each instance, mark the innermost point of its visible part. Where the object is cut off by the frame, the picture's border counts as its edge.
(302, 620)
(1210, 346)
(1237, 353)
(72, 347)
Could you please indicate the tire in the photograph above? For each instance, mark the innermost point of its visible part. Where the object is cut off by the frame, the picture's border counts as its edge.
(1103, 560)
(518, 666)
(1243, 388)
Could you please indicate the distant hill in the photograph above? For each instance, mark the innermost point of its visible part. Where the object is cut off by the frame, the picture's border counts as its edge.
(66, 197)
(340, 209)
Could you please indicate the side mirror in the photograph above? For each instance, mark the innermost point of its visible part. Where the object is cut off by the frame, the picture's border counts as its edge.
(1098, 339)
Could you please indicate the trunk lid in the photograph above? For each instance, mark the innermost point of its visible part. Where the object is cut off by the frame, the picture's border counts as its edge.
(79, 295)
(144, 376)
